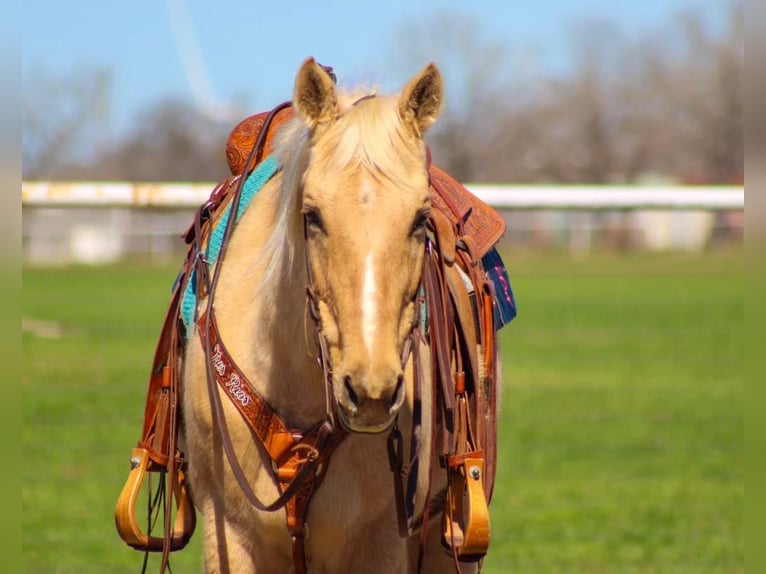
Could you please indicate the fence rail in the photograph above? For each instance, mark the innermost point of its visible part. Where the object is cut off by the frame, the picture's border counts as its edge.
(184, 195)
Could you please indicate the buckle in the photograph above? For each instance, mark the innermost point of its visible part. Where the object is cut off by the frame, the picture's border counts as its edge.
(288, 470)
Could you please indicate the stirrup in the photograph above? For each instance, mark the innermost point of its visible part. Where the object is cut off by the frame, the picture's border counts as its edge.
(466, 519)
(125, 511)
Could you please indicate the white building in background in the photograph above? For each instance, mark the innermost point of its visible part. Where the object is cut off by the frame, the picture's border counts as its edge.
(96, 236)
(675, 230)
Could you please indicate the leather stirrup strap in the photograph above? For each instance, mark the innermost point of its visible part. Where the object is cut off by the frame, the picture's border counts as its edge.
(439, 335)
(156, 451)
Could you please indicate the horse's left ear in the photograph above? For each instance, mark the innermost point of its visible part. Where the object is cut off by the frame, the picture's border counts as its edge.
(314, 97)
(421, 101)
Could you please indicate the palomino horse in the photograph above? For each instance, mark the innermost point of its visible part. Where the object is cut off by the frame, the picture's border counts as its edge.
(358, 174)
(332, 313)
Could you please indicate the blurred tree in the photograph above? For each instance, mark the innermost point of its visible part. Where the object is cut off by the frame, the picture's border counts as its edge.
(171, 141)
(476, 89)
(65, 121)
(667, 104)
(710, 84)
(66, 137)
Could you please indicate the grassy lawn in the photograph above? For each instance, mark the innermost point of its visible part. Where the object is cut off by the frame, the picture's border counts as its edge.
(621, 432)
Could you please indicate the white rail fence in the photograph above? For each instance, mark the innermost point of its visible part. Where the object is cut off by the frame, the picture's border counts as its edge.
(181, 195)
(94, 222)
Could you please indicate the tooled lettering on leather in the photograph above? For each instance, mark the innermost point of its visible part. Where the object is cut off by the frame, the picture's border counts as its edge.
(288, 450)
(278, 441)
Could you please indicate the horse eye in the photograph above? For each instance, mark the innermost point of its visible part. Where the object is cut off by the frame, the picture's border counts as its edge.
(313, 219)
(419, 224)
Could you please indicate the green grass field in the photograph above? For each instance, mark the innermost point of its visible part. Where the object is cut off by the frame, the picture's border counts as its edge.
(622, 428)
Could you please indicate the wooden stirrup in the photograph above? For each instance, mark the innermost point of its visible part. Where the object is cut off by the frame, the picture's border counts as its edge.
(466, 520)
(125, 511)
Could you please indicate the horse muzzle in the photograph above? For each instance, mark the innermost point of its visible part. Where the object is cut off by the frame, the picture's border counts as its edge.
(364, 410)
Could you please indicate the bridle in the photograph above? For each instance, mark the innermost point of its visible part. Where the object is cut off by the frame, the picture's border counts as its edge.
(299, 458)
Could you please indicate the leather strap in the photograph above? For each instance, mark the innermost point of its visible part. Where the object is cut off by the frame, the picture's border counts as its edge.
(296, 457)
(157, 452)
(439, 336)
(268, 427)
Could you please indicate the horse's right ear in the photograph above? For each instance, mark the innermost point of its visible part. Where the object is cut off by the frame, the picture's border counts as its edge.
(314, 98)
(421, 101)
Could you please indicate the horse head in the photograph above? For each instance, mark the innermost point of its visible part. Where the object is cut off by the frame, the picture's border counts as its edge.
(365, 201)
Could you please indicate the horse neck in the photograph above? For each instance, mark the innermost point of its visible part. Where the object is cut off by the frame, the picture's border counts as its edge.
(295, 384)
(264, 322)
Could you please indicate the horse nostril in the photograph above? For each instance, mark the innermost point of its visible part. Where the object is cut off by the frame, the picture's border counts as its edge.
(352, 396)
(395, 397)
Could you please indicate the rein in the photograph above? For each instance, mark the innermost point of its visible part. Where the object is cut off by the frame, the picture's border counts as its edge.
(299, 459)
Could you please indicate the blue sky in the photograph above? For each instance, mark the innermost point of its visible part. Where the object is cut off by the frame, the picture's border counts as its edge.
(244, 51)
